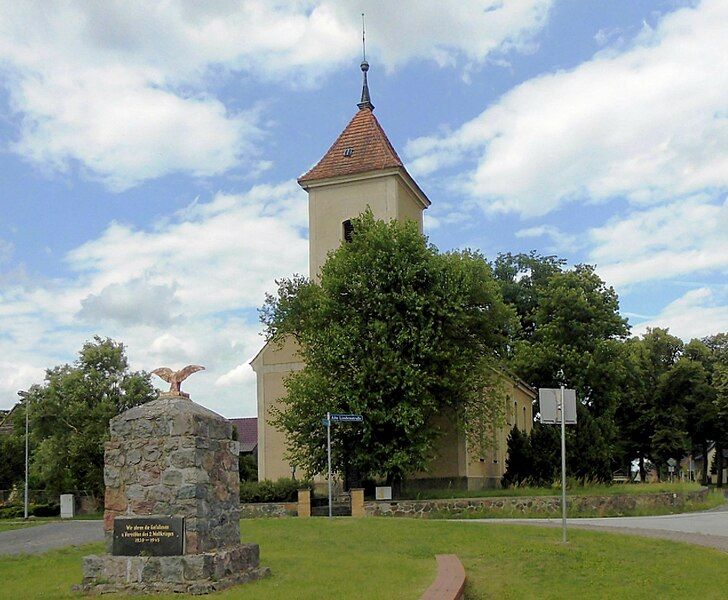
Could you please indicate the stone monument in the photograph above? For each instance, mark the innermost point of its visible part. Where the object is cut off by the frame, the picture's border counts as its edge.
(172, 503)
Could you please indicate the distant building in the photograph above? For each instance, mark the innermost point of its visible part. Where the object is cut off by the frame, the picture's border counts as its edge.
(247, 428)
(6, 421)
(362, 170)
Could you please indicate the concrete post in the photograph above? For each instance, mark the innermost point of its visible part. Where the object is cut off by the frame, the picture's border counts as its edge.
(304, 503)
(357, 502)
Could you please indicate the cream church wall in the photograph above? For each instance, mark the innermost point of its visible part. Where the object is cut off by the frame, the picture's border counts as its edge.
(335, 202)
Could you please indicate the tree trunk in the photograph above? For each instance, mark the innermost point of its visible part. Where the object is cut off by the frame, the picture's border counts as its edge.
(643, 475)
(706, 466)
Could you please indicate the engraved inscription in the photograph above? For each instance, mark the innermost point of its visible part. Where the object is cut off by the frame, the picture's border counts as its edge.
(148, 536)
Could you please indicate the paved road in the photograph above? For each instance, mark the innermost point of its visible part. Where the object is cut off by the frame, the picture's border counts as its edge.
(41, 538)
(709, 528)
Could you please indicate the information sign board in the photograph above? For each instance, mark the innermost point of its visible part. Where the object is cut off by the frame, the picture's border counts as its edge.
(549, 400)
(148, 536)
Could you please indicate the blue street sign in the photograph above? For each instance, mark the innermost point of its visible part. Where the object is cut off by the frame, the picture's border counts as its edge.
(347, 418)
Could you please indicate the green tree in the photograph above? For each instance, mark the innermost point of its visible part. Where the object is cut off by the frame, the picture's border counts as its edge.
(718, 360)
(647, 362)
(522, 277)
(399, 332)
(545, 454)
(571, 333)
(519, 459)
(70, 413)
(12, 451)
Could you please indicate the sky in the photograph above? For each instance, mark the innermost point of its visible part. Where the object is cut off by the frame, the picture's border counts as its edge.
(149, 155)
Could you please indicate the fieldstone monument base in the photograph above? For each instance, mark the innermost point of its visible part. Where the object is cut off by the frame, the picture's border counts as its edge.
(172, 504)
(190, 573)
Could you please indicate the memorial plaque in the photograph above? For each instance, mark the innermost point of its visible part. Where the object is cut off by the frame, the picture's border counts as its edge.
(148, 536)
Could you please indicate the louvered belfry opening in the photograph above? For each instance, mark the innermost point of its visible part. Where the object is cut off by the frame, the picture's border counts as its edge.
(348, 230)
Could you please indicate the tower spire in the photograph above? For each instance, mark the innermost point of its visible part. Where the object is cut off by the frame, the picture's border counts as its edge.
(366, 101)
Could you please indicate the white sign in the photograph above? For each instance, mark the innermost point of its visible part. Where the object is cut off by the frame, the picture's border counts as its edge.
(549, 400)
(383, 492)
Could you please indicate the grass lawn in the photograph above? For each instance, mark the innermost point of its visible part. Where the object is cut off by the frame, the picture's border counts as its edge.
(585, 490)
(394, 558)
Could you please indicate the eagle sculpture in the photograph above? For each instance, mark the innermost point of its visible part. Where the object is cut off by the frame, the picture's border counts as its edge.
(175, 378)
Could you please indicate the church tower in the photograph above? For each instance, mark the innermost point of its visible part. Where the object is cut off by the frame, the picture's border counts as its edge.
(360, 170)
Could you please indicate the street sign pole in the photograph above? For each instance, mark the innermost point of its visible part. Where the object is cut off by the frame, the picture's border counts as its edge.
(563, 465)
(328, 446)
(25, 505)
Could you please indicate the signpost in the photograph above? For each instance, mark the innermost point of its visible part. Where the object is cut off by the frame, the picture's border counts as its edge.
(671, 463)
(336, 418)
(559, 406)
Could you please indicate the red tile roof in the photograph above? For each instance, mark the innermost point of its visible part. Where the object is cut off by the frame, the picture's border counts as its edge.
(362, 146)
(247, 432)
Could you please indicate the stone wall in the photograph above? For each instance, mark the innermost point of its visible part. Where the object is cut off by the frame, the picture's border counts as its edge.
(507, 506)
(268, 509)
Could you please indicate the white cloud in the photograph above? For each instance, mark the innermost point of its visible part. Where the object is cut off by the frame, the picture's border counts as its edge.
(686, 236)
(183, 292)
(136, 301)
(445, 31)
(698, 313)
(241, 374)
(649, 122)
(560, 241)
(126, 89)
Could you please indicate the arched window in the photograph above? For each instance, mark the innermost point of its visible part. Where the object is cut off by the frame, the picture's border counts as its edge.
(348, 230)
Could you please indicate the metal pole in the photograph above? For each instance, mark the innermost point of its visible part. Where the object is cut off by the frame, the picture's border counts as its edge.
(25, 511)
(563, 465)
(328, 445)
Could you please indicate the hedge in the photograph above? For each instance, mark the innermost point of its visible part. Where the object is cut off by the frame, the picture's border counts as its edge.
(283, 490)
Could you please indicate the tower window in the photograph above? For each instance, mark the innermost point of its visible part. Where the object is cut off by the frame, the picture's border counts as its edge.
(348, 230)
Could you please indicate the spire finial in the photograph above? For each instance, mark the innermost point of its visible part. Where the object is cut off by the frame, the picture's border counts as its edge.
(366, 101)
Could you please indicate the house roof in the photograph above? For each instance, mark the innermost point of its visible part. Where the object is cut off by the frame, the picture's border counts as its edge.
(362, 146)
(6, 422)
(247, 432)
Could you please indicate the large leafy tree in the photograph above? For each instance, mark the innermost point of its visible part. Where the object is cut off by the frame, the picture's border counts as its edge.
(571, 333)
(648, 361)
(399, 332)
(669, 405)
(720, 383)
(70, 413)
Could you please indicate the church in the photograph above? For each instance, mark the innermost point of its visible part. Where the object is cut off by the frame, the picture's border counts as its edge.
(362, 170)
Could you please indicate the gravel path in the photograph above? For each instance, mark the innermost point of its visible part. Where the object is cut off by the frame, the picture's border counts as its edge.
(708, 528)
(41, 538)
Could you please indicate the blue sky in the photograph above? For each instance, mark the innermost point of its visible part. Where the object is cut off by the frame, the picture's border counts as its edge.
(148, 157)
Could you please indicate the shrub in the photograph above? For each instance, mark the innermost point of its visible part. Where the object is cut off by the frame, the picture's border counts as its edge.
(50, 509)
(16, 511)
(11, 512)
(283, 490)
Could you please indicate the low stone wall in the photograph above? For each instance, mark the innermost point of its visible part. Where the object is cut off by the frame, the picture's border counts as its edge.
(268, 509)
(525, 505)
